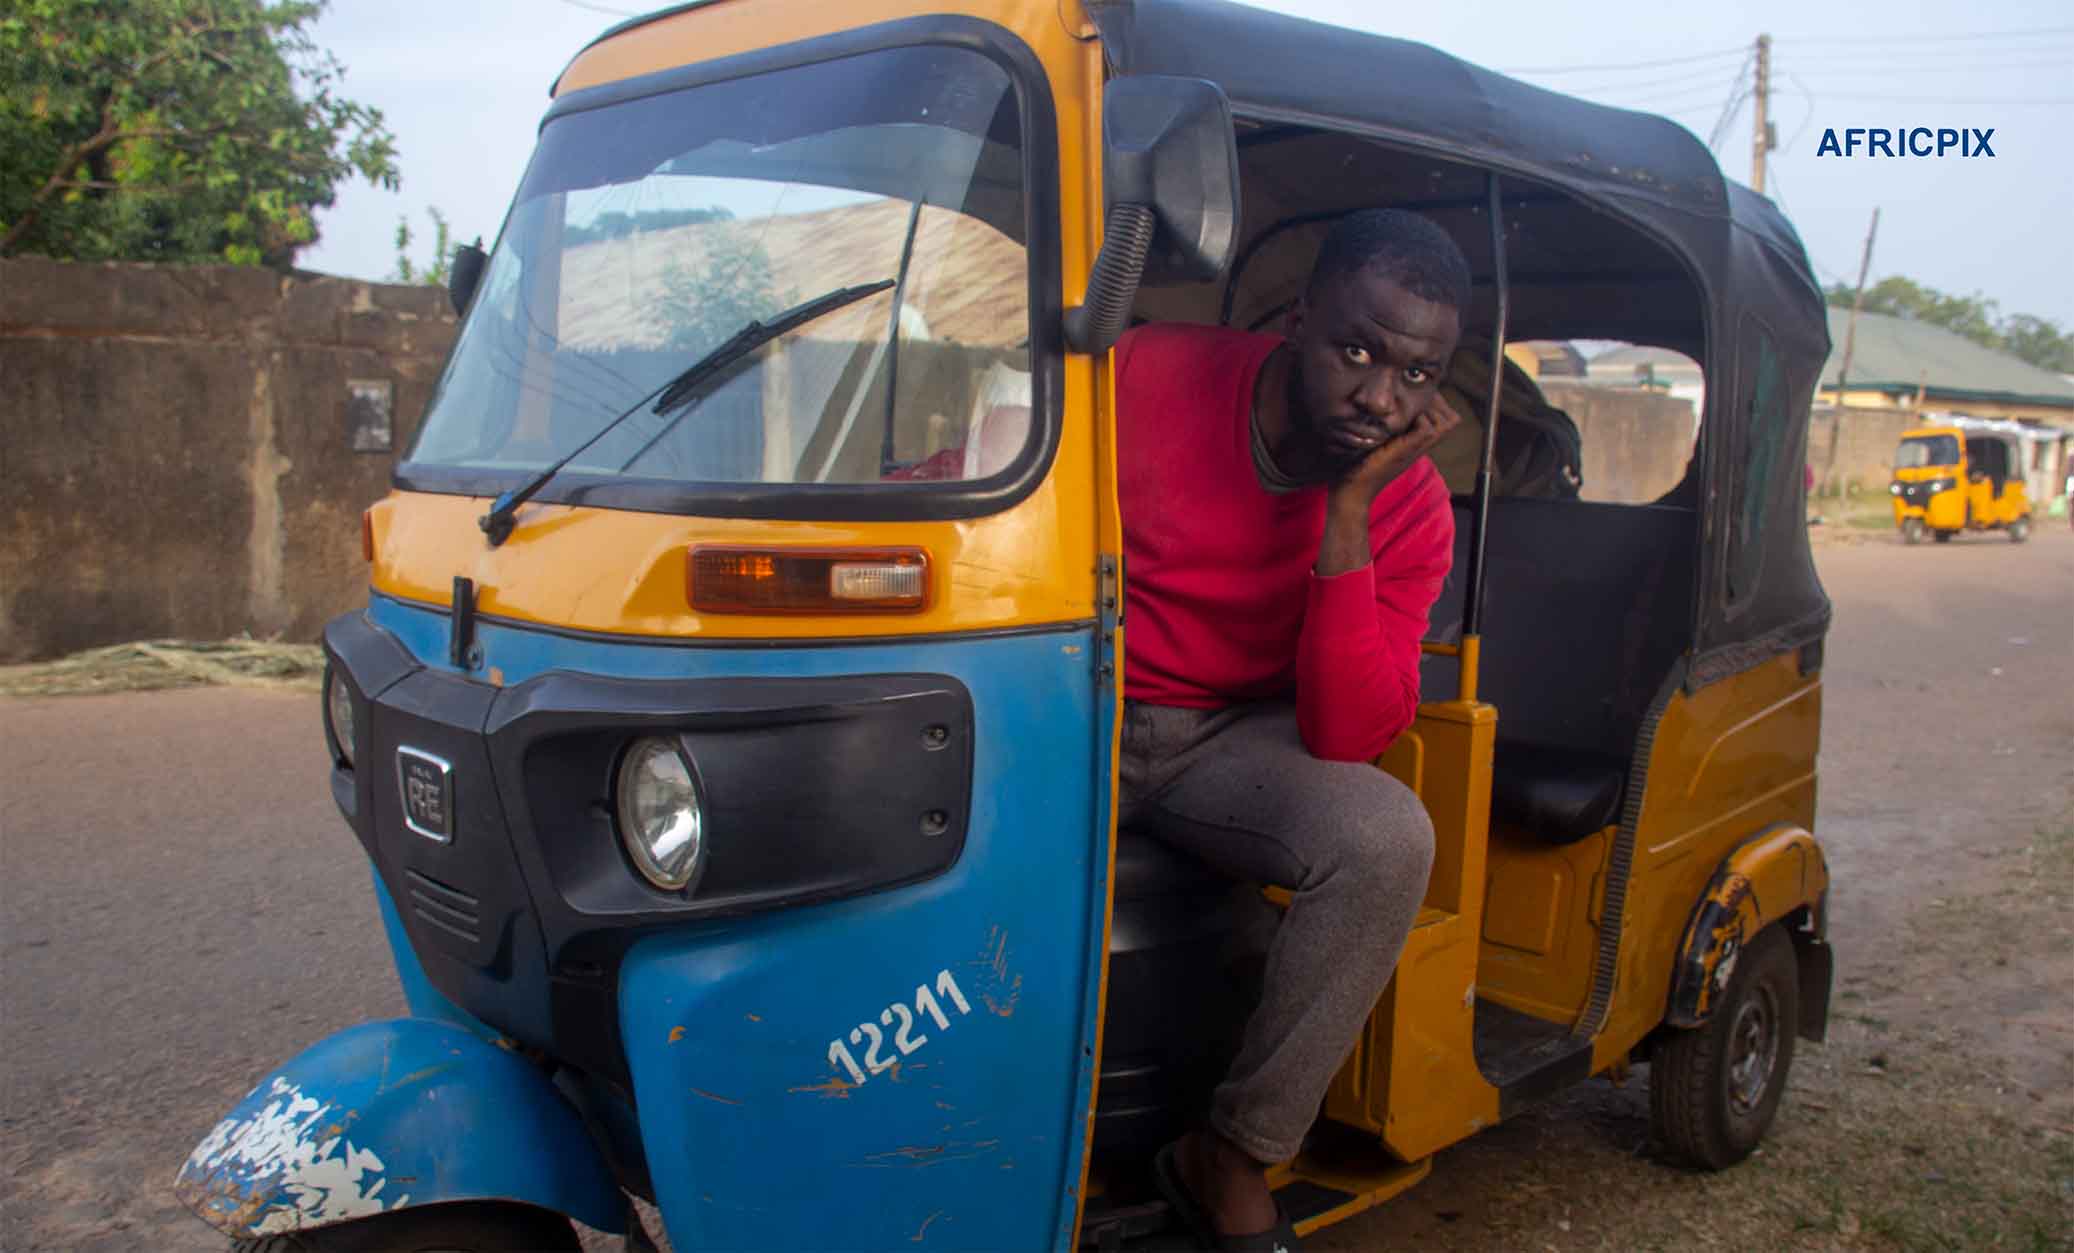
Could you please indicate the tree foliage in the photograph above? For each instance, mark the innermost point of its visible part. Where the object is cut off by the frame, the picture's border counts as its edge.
(435, 274)
(731, 283)
(174, 130)
(2033, 339)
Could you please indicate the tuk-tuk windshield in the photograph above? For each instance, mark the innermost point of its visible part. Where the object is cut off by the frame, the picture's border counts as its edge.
(649, 230)
(1927, 450)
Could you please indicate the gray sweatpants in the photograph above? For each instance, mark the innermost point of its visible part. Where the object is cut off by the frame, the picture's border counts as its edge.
(1236, 788)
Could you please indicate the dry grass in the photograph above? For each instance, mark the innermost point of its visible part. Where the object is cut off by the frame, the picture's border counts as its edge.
(152, 664)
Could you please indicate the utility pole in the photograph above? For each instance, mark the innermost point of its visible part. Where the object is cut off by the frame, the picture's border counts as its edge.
(1843, 366)
(1767, 135)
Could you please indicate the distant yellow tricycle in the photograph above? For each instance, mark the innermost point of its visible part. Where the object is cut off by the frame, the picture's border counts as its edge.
(1966, 475)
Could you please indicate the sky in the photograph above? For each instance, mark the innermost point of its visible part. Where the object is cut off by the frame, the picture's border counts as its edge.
(462, 84)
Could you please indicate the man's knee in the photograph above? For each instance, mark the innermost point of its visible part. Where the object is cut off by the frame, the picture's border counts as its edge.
(1388, 834)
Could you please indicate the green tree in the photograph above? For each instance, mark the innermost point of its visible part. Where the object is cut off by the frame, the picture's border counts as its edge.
(731, 283)
(174, 130)
(2040, 342)
(435, 274)
(2033, 339)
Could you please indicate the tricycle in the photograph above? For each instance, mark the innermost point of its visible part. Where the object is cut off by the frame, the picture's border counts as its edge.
(732, 724)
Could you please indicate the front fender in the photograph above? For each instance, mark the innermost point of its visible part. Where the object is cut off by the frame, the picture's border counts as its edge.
(393, 1114)
(1768, 876)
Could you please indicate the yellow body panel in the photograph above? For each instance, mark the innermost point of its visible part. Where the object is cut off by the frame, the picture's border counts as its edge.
(1412, 1077)
(1541, 922)
(1730, 760)
(623, 573)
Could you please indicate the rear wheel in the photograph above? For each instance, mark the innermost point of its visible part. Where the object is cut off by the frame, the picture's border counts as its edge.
(2019, 530)
(1911, 530)
(1713, 1090)
(465, 1227)
(1943, 537)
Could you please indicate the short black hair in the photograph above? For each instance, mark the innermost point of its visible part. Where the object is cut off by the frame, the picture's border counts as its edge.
(1404, 247)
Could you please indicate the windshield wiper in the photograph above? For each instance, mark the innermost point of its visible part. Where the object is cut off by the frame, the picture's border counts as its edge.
(678, 391)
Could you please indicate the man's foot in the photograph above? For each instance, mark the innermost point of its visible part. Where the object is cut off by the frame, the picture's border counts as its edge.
(1229, 1185)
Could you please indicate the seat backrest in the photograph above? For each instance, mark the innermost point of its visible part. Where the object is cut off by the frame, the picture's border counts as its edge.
(1586, 607)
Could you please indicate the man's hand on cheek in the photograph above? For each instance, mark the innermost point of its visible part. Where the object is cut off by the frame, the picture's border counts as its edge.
(1362, 480)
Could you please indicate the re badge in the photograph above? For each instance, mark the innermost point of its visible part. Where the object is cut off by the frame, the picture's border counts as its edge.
(427, 785)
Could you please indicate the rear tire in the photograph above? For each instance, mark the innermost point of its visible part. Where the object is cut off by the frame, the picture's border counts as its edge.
(1943, 537)
(462, 1227)
(1713, 1090)
(2019, 530)
(1911, 530)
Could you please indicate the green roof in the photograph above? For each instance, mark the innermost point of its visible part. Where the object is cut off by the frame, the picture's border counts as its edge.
(1895, 355)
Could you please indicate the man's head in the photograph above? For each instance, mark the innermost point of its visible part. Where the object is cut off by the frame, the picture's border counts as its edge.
(1374, 330)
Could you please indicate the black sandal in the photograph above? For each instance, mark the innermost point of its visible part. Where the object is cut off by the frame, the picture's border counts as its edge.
(1166, 1175)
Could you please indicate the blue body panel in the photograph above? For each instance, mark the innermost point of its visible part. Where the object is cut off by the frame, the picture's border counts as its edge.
(387, 1115)
(758, 1131)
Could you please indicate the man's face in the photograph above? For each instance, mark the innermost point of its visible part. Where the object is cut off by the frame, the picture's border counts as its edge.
(1369, 358)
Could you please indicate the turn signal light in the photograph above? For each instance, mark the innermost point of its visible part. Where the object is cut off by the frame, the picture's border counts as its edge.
(729, 579)
(367, 535)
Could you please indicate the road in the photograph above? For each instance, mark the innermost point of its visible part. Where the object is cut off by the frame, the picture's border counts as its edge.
(181, 908)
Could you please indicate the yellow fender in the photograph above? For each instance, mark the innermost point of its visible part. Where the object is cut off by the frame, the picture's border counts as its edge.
(1774, 874)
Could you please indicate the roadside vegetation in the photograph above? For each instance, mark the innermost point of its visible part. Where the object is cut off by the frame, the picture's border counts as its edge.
(149, 665)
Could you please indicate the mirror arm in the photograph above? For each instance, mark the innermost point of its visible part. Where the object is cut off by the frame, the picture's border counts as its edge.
(1096, 324)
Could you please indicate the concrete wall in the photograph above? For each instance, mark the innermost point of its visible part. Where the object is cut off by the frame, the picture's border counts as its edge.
(175, 454)
(1636, 443)
(1864, 448)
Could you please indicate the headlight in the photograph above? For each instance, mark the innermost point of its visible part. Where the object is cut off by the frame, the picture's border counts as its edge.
(661, 821)
(1894, 488)
(338, 711)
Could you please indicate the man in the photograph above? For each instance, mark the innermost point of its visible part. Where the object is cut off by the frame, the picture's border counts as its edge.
(1285, 538)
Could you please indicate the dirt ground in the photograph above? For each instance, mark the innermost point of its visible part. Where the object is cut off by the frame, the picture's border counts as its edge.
(1939, 1114)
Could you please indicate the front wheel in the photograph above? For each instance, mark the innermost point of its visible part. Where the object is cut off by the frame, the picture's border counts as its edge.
(1912, 531)
(2019, 530)
(463, 1227)
(1943, 537)
(1713, 1090)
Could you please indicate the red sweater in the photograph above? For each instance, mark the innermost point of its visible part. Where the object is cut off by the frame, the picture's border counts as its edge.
(1222, 603)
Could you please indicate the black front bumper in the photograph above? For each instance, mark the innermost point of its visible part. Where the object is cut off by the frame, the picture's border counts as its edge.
(814, 788)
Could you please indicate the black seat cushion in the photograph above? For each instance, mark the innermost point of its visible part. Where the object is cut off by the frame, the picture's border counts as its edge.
(1559, 794)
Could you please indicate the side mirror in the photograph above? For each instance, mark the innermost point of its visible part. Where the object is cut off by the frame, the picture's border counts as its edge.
(1170, 175)
(465, 273)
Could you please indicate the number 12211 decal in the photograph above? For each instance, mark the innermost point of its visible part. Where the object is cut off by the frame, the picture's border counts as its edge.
(902, 1020)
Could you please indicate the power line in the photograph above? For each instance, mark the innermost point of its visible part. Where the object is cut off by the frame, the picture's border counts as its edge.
(1736, 94)
(1859, 40)
(1709, 92)
(1729, 113)
(1925, 57)
(1625, 65)
(1807, 117)
(1634, 85)
(599, 8)
(2016, 100)
(1889, 71)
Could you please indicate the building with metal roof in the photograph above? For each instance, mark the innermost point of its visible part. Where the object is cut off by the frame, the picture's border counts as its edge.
(1893, 359)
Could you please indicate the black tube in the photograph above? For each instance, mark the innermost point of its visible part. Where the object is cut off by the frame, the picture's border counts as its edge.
(1100, 320)
(1480, 517)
